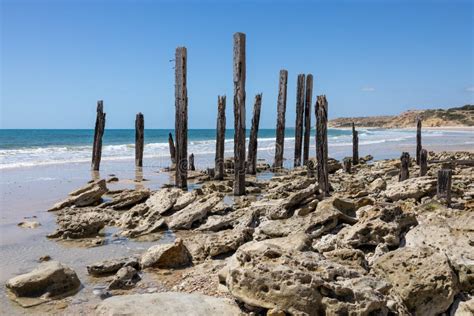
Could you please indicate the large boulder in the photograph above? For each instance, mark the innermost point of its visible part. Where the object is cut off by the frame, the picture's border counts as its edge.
(167, 304)
(79, 225)
(166, 256)
(421, 276)
(90, 194)
(413, 188)
(49, 280)
(274, 274)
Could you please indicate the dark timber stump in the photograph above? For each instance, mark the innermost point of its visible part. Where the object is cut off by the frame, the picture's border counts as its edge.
(280, 128)
(311, 168)
(220, 138)
(404, 165)
(347, 162)
(172, 149)
(322, 143)
(98, 133)
(252, 155)
(423, 162)
(191, 162)
(444, 185)
(307, 117)
(355, 145)
(139, 139)
(239, 114)
(181, 120)
(299, 119)
(418, 140)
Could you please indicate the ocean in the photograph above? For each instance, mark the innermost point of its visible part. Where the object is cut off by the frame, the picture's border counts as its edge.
(35, 147)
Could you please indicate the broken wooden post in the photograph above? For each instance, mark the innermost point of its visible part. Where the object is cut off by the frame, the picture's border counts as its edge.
(239, 113)
(172, 150)
(139, 139)
(423, 162)
(418, 140)
(307, 117)
(181, 120)
(98, 133)
(355, 145)
(252, 154)
(444, 185)
(299, 119)
(280, 128)
(322, 143)
(347, 162)
(310, 168)
(404, 165)
(220, 139)
(191, 162)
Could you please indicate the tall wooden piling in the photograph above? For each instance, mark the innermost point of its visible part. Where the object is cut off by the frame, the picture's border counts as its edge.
(139, 139)
(181, 120)
(307, 117)
(172, 149)
(404, 167)
(252, 154)
(98, 133)
(239, 113)
(355, 145)
(423, 162)
(220, 138)
(322, 143)
(191, 162)
(418, 140)
(444, 185)
(280, 128)
(300, 100)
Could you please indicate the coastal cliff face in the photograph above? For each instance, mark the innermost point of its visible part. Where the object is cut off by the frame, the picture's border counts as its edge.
(460, 116)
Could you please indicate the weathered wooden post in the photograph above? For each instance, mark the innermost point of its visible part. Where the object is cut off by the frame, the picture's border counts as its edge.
(307, 117)
(191, 162)
(220, 139)
(310, 168)
(252, 154)
(98, 133)
(418, 140)
(423, 162)
(347, 162)
(444, 185)
(181, 120)
(355, 145)
(280, 128)
(239, 113)
(139, 139)
(404, 167)
(172, 150)
(299, 119)
(322, 143)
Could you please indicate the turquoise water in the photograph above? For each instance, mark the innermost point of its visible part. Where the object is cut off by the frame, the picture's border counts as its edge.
(33, 147)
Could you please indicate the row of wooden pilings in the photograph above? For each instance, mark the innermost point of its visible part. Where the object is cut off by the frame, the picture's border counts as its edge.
(242, 166)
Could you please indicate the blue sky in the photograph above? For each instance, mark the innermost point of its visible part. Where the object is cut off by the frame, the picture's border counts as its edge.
(369, 57)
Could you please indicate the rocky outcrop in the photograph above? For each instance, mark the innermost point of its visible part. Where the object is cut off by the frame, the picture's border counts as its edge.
(166, 256)
(79, 225)
(126, 277)
(193, 213)
(413, 188)
(167, 304)
(126, 199)
(49, 280)
(421, 276)
(90, 194)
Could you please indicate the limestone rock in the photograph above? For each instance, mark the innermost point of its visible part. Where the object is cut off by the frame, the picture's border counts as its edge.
(29, 224)
(377, 185)
(414, 188)
(193, 213)
(111, 266)
(126, 277)
(79, 225)
(49, 280)
(90, 194)
(127, 198)
(163, 200)
(167, 304)
(166, 256)
(421, 277)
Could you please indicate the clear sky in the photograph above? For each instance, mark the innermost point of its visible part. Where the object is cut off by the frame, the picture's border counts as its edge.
(369, 57)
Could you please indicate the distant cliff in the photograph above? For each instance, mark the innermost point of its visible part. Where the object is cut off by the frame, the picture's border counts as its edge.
(460, 116)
